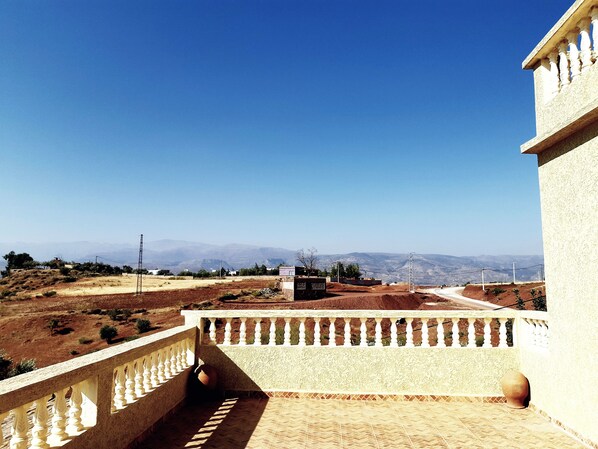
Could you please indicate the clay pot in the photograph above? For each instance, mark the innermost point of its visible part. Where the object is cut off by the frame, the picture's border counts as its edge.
(515, 387)
(207, 376)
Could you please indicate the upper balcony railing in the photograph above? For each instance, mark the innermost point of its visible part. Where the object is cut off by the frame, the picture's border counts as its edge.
(568, 50)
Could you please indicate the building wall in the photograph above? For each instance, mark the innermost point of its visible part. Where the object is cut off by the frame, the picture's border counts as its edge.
(564, 383)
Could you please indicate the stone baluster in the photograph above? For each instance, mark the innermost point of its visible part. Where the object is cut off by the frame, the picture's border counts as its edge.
(502, 333)
(563, 64)
(75, 425)
(301, 331)
(544, 331)
(554, 73)
(167, 364)
(257, 332)
(594, 18)
(332, 333)
(287, 332)
(440, 333)
(455, 333)
(227, 331)
(363, 333)
(160, 359)
(487, 333)
(471, 333)
(212, 331)
(243, 332)
(272, 341)
(58, 422)
(585, 43)
(180, 355)
(2, 418)
(154, 369)
(347, 341)
(119, 388)
(39, 432)
(394, 341)
(425, 336)
(409, 330)
(139, 388)
(130, 383)
(574, 60)
(146, 364)
(317, 337)
(20, 426)
(190, 355)
(378, 342)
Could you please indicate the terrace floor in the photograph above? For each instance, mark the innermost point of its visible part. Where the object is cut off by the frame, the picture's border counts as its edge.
(332, 423)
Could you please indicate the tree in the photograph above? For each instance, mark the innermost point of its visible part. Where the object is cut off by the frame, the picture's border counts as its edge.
(127, 269)
(16, 261)
(309, 260)
(352, 271)
(143, 325)
(164, 273)
(108, 333)
(338, 270)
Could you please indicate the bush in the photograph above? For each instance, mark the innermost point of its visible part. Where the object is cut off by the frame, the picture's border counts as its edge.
(119, 314)
(49, 293)
(5, 364)
(497, 291)
(108, 333)
(65, 271)
(53, 324)
(85, 341)
(24, 366)
(143, 326)
(228, 297)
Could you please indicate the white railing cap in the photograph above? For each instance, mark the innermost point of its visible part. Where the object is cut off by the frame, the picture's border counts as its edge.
(304, 313)
(558, 32)
(534, 315)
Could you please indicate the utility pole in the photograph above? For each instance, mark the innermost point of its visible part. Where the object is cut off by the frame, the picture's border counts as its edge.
(411, 281)
(542, 272)
(483, 289)
(514, 273)
(338, 271)
(96, 260)
(139, 288)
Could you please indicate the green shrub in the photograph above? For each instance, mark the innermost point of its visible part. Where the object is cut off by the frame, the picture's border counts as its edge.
(228, 297)
(49, 293)
(108, 333)
(143, 326)
(53, 324)
(497, 291)
(24, 366)
(85, 341)
(119, 314)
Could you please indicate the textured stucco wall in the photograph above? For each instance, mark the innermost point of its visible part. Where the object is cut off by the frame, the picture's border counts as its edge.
(422, 371)
(565, 383)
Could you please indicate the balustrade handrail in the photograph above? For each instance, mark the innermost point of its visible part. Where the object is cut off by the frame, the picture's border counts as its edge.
(28, 387)
(569, 21)
(305, 313)
(533, 314)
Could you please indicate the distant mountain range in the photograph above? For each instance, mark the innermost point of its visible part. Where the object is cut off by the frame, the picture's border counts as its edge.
(178, 255)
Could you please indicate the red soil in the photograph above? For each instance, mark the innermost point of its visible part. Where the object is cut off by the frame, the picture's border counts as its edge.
(24, 331)
(506, 298)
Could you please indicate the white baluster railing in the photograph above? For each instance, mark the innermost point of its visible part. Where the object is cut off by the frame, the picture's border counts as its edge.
(52, 406)
(569, 52)
(378, 328)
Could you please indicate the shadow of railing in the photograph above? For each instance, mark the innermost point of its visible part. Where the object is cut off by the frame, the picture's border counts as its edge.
(212, 419)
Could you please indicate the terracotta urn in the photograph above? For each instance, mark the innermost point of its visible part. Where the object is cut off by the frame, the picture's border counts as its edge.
(515, 387)
(207, 376)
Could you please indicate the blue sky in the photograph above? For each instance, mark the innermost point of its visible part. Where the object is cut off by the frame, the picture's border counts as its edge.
(342, 125)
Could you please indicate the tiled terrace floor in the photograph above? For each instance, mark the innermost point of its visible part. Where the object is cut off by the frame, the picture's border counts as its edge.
(329, 423)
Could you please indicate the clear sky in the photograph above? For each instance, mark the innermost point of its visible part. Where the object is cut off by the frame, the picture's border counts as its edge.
(342, 125)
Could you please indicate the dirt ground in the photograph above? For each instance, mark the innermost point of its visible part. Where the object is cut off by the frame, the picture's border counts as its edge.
(502, 294)
(25, 324)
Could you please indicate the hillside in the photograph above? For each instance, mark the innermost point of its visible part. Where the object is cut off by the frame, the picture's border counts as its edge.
(175, 255)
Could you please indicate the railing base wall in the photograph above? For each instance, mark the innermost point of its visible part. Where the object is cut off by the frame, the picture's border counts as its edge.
(362, 370)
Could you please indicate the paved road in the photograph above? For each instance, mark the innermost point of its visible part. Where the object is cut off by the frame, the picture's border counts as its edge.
(454, 294)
